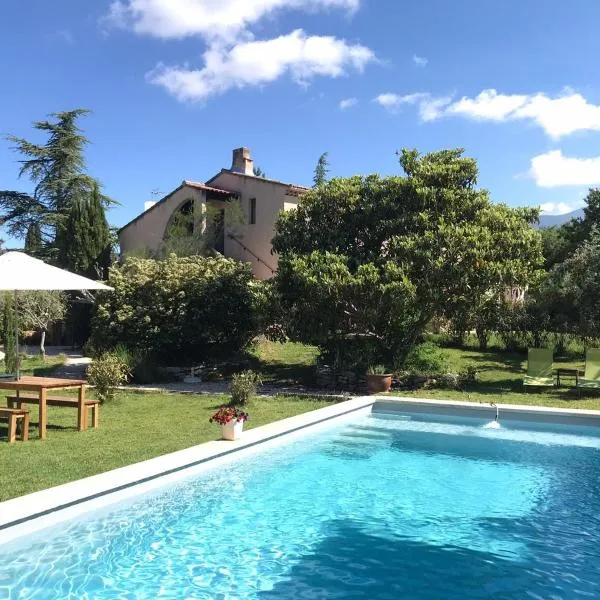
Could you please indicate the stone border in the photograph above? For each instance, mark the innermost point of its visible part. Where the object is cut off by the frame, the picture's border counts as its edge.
(27, 514)
(515, 412)
(32, 513)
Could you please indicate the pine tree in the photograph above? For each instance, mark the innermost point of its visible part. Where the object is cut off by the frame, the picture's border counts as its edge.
(321, 170)
(58, 171)
(8, 333)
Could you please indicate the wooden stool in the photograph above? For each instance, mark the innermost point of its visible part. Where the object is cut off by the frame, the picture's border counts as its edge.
(14, 415)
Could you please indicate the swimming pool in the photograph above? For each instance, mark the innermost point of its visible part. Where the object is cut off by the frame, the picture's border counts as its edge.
(382, 506)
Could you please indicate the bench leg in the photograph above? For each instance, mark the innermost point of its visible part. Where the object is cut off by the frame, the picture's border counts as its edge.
(95, 415)
(81, 410)
(12, 429)
(25, 425)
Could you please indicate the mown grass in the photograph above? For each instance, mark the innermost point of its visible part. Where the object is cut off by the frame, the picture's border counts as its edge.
(500, 379)
(286, 363)
(35, 365)
(133, 428)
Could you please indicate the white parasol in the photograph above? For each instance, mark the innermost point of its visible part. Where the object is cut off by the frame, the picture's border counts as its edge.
(19, 271)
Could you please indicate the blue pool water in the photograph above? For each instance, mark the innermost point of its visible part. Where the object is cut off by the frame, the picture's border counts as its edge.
(381, 507)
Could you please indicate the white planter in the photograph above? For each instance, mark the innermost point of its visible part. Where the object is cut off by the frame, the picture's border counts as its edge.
(232, 430)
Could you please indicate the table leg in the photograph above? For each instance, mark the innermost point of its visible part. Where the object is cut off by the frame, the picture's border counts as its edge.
(81, 410)
(42, 413)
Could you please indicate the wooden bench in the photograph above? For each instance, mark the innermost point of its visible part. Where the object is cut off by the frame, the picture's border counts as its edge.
(14, 415)
(68, 401)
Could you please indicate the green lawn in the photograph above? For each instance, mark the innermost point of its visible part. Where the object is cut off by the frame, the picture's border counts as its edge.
(36, 366)
(287, 364)
(133, 428)
(500, 380)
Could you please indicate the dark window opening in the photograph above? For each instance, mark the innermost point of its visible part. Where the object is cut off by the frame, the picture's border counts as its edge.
(252, 211)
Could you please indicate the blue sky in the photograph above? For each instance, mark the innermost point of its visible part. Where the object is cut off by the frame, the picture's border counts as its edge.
(175, 85)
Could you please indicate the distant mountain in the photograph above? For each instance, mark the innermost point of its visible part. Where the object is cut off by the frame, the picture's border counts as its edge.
(556, 220)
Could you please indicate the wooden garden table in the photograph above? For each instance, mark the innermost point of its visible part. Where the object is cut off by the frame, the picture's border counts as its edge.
(41, 385)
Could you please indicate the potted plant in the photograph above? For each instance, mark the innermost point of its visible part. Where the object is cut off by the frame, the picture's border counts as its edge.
(378, 380)
(231, 420)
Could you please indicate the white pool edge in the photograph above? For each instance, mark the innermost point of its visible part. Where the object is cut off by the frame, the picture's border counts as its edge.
(29, 514)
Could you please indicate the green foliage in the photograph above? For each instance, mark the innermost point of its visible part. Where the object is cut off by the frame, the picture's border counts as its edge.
(321, 170)
(243, 387)
(8, 333)
(467, 378)
(258, 172)
(58, 172)
(87, 248)
(381, 257)
(38, 310)
(377, 370)
(425, 359)
(188, 308)
(570, 293)
(329, 304)
(106, 373)
(143, 368)
(198, 229)
(33, 239)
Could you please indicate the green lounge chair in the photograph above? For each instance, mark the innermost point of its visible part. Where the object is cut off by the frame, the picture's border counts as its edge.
(539, 368)
(591, 378)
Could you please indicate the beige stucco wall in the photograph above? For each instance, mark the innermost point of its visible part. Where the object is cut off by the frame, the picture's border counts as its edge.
(148, 231)
(271, 199)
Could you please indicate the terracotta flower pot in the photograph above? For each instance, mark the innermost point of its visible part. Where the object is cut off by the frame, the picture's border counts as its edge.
(377, 384)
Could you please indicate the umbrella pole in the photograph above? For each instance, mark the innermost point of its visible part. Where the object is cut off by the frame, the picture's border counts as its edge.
(17, 337)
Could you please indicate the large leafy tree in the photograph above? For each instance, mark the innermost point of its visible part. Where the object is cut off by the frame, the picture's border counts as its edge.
(429, 242)
(57, 171)
(570, 293)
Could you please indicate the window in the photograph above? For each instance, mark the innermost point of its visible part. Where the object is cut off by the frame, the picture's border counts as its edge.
(252, 211)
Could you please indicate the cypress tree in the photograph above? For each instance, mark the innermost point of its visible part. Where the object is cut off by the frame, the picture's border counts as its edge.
(321, 170)
(33, 240)
(87, 250)
(8, 333)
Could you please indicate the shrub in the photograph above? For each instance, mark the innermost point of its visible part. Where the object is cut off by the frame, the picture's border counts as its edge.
(425, 359)
(193, 307)
(468, 376)
(243, 387)
(376, 370)
(448, 381)
(106, 373)
(143, 368)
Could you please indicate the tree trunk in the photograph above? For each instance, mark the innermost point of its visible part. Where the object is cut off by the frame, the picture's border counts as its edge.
(43, 345)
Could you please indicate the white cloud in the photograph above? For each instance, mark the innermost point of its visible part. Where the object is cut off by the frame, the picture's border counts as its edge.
(420, 61)
(207, 18)
(559, 116)
(348, 103)
(560, 208)
(66, 36)
(430, 108)
(554, 170)
(254, 63)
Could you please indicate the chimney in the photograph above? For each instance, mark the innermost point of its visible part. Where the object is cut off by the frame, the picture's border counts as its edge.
(242, 162)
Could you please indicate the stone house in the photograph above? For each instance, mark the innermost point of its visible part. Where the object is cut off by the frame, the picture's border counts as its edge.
(261, 200)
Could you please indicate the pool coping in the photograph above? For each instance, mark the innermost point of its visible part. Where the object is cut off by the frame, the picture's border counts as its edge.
(33, 512)
(43, 505)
